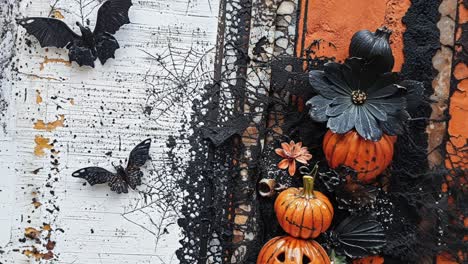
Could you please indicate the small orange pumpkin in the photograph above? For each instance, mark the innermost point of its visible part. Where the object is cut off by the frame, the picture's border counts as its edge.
(369, 260)
(368, 158)
(303, 212)
(290, 250)
(445, 258)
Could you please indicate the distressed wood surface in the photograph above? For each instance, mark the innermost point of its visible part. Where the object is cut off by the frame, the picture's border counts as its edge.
(61, 117)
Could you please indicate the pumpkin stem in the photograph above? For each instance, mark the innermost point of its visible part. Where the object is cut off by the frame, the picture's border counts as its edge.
(383, 31)
(308, 186)
(308, 181)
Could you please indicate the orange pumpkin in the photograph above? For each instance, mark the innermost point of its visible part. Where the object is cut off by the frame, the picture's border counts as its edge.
(369, 260)
(368, 158)
(445, 258)
(290, 250)
(303, 212)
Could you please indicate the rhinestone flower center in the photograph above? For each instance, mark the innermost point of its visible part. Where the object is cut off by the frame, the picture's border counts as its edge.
(358, 97)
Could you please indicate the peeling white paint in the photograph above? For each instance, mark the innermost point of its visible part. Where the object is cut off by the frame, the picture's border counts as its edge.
(104, 108)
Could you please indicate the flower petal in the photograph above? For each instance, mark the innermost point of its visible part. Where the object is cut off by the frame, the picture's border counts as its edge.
(378, 113)
(415, 92)
(292, 167)
(384, 80)
(366, 125)
(350, 78)
(361, 75)
(318, 106)
(286, 147)
(283, 164)
(344, 122)
(303, 159)
(333, 72)
(304, 150)
(383, 92)
(337, 107)
(389, 105)
(395, 124)
(280, 152)
(320, 84)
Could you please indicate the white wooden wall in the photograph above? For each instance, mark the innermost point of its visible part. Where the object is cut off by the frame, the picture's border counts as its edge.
(61, 117)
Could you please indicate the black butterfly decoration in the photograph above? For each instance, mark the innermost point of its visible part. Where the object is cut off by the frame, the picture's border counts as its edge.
(84, 49)
(124, 177)
(357, 237)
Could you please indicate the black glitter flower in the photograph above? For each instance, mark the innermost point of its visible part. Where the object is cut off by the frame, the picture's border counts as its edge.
(355, 95)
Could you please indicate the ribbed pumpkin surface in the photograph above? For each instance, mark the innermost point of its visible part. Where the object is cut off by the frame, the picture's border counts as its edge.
(290, 250)
(302, 216)
(368, 158)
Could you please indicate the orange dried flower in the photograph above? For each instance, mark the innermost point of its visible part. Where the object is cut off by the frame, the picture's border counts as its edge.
(291, 153)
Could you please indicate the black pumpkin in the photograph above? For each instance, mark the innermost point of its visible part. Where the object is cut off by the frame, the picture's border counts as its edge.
(373, 47)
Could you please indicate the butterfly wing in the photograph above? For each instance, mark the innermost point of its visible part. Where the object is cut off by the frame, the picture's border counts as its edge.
(134, 178)
(49, 32)
(94, 175)
(138, 157)
(112, 15)
(98, 175)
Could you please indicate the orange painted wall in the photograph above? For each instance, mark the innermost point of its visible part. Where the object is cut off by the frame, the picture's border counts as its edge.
(457, 145)
(335, 21)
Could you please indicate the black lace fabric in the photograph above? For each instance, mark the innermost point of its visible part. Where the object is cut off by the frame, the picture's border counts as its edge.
(238, 124)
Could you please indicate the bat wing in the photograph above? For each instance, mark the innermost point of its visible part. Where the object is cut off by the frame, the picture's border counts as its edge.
(106, 45)
(49, 31)
(82, 55)
(138, 157)
(112, 15)
(94, 175)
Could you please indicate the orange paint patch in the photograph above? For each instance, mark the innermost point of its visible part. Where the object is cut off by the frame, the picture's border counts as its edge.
(36, 203)
(462, 14)
(72, 101)
(38, 97)
(34, 253)
(41, 125)
(38, 236)
(47, 60)
(32, 233)
(457, 129)
(335, 21)
(57, 14)
(461, 71)
(42, 144)
(46, 227)
(457, 145)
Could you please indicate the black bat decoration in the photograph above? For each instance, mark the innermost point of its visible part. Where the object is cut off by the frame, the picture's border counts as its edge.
(90, 45)
(124, 177)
